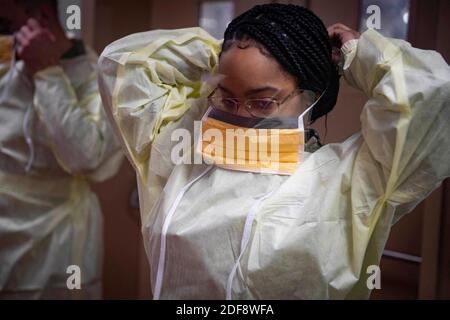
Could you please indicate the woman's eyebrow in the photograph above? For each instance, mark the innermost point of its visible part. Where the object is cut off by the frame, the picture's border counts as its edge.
(225, 89)
(251, 91)
(262, 89)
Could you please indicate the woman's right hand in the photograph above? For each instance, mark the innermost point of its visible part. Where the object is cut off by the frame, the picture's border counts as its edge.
(340, 34)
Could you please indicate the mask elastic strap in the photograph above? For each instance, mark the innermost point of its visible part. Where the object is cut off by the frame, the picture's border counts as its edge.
(300, 118)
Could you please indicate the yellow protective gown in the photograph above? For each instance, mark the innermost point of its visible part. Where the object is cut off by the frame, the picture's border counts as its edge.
(54, 137)
(212, 233)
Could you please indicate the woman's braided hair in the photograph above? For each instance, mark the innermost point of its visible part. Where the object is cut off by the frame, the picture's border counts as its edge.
(299, 42)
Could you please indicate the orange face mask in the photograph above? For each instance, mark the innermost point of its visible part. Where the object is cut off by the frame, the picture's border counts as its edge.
(250, 148)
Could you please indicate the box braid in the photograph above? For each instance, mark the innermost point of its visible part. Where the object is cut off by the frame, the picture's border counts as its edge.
(299, 42)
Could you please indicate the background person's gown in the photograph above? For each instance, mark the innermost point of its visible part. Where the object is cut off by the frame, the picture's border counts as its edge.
(49, 217)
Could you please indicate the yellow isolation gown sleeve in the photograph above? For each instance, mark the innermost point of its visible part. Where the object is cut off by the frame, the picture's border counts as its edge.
(405, 126)
(149, 81)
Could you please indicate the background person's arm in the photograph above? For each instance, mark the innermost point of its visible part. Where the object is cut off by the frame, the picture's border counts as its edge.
(70, 108)
(80, 135)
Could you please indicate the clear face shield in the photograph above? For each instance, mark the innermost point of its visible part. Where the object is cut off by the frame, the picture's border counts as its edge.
(261, 133)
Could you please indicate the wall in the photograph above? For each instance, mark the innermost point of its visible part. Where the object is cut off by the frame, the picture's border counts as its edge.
(125, 271)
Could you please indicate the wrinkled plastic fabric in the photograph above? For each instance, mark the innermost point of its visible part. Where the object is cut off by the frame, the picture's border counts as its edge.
(49, 217)
(317, 232)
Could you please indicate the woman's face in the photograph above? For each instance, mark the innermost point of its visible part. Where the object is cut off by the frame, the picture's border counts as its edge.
(249, 74)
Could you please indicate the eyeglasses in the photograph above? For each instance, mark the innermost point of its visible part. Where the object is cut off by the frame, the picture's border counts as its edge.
(258, 108)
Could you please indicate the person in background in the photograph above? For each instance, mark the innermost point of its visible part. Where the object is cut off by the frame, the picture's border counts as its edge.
(54, 140)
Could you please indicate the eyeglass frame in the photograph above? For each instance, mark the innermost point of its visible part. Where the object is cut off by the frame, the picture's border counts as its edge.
(247, 106)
